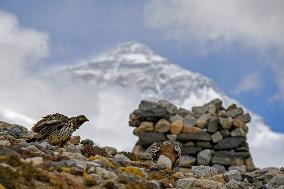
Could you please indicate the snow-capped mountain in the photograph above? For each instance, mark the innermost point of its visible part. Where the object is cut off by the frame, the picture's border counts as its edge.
(134, 65)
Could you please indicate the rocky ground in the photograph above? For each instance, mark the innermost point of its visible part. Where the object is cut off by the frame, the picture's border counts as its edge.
(81, 164)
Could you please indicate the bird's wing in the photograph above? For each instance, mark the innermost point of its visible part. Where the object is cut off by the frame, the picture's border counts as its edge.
(49, 127)
(39, 125)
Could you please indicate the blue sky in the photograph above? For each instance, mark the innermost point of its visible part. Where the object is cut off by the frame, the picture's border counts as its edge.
(235, 55)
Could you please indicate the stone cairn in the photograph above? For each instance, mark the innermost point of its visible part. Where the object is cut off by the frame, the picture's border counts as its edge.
(207, 135)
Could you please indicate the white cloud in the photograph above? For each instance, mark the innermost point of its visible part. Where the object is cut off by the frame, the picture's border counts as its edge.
(215, 25)
(248, 83)
(26, 95)
(206, 23)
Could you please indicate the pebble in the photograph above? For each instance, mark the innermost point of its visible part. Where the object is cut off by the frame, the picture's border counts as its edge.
(164, 162)
(121, 159)
(187, 161)
(204, 171)
(105, 173)
(232, 184)
(71, 155)
(35, 160)
(185, 183)
(110, 150)
(232, 175)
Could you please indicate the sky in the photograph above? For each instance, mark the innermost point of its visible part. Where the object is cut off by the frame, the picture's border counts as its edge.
(237, 44)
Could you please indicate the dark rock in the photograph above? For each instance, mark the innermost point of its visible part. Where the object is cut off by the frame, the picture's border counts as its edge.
(199, 110)
(190, 150)
(220, 168)
(234, 112)
(87, 142)
(186, 161)
(244, 118)
(248, 175)
(231, 107)
(146, 139)
(204, 157)
(171, 108)
(14, 130)
(238, 132)
(199, 136)
(216, 137)
(225, 132)
(231, 154)
(214, 106)
(226, 160)
(230, 143)
(8, 152)
(203, 144)
(151, 111)
(232, 175)
(183, 112)
(212, 125)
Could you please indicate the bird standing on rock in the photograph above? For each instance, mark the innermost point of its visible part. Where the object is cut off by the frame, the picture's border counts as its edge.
(56, 128)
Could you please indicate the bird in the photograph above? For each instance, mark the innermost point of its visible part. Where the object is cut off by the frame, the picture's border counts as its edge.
(56, 128)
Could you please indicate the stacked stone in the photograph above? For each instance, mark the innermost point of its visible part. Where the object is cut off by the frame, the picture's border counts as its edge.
(208, 134)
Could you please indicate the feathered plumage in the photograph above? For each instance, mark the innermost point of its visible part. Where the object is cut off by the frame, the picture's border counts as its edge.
(56, 128)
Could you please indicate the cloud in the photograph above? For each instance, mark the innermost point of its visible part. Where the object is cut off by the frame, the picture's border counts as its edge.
(248, 83)
(26, 95)
(18, 47)
(216, 23)
(211, 26)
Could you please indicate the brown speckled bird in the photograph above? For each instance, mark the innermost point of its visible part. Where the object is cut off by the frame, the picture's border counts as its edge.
(56, 128)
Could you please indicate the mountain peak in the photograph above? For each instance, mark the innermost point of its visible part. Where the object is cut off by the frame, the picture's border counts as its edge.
(135, 52)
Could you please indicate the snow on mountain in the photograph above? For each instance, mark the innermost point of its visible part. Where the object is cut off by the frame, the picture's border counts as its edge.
(135, 66)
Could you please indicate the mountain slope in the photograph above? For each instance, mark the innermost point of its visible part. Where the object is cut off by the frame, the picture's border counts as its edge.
(134, 66)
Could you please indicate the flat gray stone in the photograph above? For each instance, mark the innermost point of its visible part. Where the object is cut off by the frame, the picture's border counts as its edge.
(176, 117)
(232, 175)
(171, 108)
(212, 125)
(199, 136)
(216, 137)
(238, 132)
(244, 118)
(235, 112)
(146, 139)
(230, 143)
(204, 157)
(186, 161)
(190, 150)
(220, 168)
(189, 120)
(185, 183)
(203, 144)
